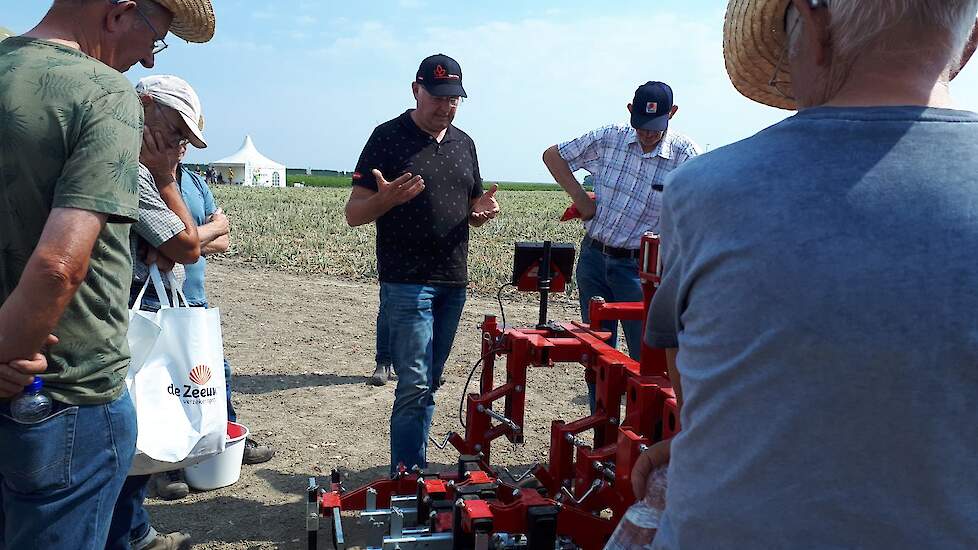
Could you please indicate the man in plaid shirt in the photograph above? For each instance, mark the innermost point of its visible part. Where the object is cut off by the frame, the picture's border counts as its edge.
(629, 165)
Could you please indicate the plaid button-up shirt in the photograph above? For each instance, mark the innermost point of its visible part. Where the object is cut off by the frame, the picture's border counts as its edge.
(627, 206)
(157, 224)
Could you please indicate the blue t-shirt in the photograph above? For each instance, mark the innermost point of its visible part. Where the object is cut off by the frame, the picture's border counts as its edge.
(821, 281)
(200, 202)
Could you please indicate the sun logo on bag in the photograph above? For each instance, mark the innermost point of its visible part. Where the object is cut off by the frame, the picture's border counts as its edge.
(200, 374)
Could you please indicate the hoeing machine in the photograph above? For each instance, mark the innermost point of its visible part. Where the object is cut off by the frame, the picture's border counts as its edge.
(576, 499)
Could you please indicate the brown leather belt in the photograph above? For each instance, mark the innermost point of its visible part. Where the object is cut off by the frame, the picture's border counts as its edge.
(612, 251)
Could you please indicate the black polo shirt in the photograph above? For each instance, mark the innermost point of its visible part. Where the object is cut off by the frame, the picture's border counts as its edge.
(426, 240)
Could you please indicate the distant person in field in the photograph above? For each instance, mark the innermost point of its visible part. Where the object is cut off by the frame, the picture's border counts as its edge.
(818, 298)
(629, 165)
(418, 178)
(69, 148)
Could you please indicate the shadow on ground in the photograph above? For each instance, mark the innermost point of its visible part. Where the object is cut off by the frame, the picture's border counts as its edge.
(253, 384)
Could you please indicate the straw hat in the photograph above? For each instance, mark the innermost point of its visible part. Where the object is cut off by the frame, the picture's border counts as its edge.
(193, 20)
(753, 40)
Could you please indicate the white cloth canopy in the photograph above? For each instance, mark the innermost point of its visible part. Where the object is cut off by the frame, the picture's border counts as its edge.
(251, 168)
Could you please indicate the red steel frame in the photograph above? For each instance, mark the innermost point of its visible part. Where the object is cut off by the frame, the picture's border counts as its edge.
(604, 468)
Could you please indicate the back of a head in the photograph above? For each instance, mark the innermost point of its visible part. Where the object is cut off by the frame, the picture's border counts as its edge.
(859, 25)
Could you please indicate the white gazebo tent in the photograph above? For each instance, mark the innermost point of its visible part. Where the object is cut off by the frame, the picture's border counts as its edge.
(251, 168)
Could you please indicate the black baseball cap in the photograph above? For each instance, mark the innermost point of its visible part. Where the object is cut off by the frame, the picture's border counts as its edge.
(441, 76)
(651, 107)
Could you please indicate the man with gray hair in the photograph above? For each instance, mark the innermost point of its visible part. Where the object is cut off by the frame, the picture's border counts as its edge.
(69, 143)
(825, 358)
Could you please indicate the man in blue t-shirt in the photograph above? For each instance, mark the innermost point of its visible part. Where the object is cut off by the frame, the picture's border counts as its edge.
(818, 297)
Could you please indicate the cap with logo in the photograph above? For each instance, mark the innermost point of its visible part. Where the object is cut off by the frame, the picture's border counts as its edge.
(175, 93)
(651, 107)
(441, 76)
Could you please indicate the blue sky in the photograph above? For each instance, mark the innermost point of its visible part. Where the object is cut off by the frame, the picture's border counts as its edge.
(310, 79)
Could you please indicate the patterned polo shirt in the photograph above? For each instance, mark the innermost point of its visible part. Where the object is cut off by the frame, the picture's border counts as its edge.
(627, 205)
(425, 240)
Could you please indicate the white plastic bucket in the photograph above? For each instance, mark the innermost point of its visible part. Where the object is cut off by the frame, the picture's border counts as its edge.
(223, 469)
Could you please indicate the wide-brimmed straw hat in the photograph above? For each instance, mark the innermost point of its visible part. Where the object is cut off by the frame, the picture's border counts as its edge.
(754, 39)
(193, 20)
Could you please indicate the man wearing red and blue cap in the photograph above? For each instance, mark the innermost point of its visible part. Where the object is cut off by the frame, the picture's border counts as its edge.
(629, 165)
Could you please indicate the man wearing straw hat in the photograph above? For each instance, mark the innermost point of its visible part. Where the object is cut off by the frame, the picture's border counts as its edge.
(818, 294)
(69, 144)
(629, 164)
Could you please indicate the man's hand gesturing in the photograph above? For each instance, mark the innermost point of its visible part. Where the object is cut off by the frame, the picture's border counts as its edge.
(404, 188)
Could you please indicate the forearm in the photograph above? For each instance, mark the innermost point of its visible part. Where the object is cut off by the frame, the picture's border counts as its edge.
(217, 246)
(562, 174)
(361, 211)
(170, 194)
(208, 233)
(33, 309)
(677, 383)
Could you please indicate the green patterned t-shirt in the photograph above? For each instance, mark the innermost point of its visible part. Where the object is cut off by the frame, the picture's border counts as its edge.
(70, 134)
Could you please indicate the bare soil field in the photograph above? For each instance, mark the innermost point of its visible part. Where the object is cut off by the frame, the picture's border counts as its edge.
(302, 348)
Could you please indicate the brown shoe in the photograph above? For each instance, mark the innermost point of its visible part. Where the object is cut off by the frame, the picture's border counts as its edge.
(169, 485)
(256, 453)
(170, 541)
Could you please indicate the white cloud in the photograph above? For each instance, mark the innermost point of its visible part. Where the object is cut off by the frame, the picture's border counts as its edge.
(534, 82)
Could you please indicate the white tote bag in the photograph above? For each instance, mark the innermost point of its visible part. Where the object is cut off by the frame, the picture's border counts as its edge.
(178, 385)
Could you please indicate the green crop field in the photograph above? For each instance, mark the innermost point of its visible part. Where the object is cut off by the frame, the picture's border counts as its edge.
(343, 182)
(304, 231)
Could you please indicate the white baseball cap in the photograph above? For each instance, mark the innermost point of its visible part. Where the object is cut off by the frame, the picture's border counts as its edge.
(175, 93)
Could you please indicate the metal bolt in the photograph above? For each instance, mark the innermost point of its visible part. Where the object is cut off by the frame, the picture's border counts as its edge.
(613, 421)
(516, 492)
(460, 503)
(519, 388)
(598, 466)
(642, 447)
(477, 447)
(480, 408)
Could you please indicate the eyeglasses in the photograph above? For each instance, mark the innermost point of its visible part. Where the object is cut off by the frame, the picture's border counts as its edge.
(783, 87)
(453, 101)
(158, 43)
(183, 142)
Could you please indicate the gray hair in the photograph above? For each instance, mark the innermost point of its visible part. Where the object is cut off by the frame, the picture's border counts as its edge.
(859, 24)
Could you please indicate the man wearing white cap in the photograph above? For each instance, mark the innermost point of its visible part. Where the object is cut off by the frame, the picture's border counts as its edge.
(69, 143)
(166, 233)
(818, 290)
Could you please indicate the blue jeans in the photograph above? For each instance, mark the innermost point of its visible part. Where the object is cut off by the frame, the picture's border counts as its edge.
(422, 320)
(130, 521)
(383, 356)
(60, 477)
(616, 280)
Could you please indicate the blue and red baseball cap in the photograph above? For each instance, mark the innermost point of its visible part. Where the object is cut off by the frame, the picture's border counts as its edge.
(441, 76)
(651, 107)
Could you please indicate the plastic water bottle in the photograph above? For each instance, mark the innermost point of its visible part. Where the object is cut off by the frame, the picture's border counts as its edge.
(32, 406)
(638, 526)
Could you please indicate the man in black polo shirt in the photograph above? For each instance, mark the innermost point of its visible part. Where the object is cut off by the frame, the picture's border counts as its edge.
(423, 216)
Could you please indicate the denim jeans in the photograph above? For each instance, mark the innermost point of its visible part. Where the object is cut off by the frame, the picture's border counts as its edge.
(130, 521)
(383, 356)
(60, 477)
(616, 280)
(422, 320)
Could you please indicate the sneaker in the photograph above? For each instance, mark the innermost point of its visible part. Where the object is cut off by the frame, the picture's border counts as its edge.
(381, 375)
(170, 485)
(171, 541)
(256, 453)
